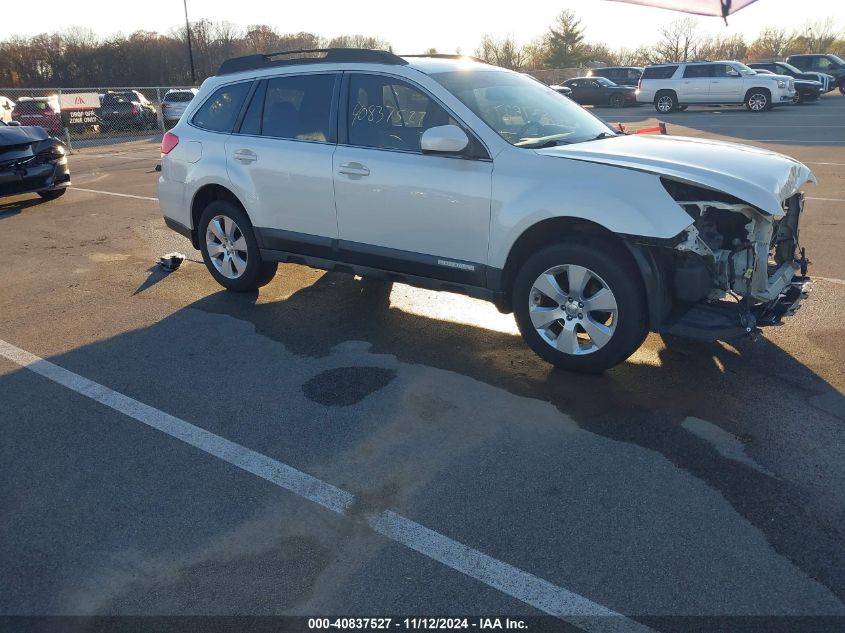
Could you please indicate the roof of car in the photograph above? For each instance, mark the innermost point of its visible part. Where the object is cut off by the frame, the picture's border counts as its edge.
(432, 63)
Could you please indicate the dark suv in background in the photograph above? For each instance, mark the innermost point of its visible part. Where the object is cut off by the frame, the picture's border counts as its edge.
(821, 63)
(620, 75)
(127, 109)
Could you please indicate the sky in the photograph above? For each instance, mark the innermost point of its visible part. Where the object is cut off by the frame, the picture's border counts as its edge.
(411, 26)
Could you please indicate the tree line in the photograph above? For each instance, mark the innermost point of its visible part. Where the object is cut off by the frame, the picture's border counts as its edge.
(78, 58)
(564, 45)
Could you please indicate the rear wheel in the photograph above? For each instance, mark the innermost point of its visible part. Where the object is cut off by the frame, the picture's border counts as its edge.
(616, 101)
(580, 305)
(229, 248)
(842, 86)
(665, 101)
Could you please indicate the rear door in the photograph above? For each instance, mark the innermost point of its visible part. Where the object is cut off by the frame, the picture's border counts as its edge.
(280, 161)
(695, 83)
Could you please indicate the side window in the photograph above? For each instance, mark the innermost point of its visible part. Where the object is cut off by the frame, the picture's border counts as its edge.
(219, 112)
(822, 63)
(299, 107)
(252, 118)
(659, 72)
(724, 70)
(388, 113)
(573, 83)
(698, 71)
(592, 84)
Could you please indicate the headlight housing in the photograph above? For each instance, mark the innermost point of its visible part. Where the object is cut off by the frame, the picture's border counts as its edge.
(781, 83)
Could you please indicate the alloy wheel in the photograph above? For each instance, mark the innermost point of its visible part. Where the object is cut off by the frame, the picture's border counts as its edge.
(757, 102)
(573, 309)
(226, 246)
(665, 103)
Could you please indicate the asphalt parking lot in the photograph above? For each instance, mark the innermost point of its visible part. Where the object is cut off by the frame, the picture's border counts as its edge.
(333, 446)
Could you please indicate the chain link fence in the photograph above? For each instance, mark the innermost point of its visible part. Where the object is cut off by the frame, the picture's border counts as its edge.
(97, 116)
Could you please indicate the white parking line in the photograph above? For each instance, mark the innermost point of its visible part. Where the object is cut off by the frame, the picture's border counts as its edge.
(112, 193)
(519, 584)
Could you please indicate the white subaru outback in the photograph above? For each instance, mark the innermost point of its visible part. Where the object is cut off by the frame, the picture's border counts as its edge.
(675, 86)
(451, 174)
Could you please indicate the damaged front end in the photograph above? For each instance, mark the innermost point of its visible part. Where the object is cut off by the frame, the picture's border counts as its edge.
(31, 161)
(736, 267)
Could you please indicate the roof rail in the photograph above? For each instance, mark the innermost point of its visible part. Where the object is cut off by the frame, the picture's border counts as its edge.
(329, 55)
(448, 56)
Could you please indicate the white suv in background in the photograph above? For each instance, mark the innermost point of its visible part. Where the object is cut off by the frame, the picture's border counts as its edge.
(673, 87)
(446, 173)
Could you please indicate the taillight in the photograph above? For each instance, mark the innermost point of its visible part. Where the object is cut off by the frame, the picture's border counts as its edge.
(169, 141)
(134, 110)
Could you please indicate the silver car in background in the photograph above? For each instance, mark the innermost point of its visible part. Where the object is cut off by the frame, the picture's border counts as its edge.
(174, 104)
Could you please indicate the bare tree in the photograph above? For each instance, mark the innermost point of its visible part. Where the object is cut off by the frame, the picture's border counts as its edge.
(678, 41)
(723, 47)
(820, 35)
(503, 52)
(772, 43)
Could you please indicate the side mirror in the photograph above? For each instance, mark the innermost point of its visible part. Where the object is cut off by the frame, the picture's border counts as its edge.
(444, 138)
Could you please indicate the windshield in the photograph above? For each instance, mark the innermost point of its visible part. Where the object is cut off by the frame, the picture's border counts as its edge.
(743, 69)
(835, 58)
(789, 67)
(522, 111)
(604, 81)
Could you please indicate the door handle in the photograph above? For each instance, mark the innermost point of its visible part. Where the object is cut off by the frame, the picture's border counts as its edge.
(245, 156)
(353, 169)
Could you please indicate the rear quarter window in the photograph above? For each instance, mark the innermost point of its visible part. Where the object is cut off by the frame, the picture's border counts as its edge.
(659, 72)
(221, 109)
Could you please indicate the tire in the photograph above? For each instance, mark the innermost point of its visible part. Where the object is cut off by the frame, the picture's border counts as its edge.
(665, 101)
(758, 100)
(616, 101)
(239, 246)
(559, 329)
(52, 194)
(842, 87)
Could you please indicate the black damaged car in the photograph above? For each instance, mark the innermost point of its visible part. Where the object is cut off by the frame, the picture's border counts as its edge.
(32, 161)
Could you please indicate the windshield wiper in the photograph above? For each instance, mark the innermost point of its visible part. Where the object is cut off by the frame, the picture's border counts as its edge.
(552, 142)
(602, 135)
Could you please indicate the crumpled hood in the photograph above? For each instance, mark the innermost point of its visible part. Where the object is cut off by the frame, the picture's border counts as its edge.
(21, 134)
(759, 177)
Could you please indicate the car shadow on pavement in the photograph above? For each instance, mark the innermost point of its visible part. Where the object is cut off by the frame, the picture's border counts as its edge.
(8, 209)
(744, 391)
(735, 396)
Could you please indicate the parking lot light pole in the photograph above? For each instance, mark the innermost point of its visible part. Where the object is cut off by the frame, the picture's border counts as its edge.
(190, 48)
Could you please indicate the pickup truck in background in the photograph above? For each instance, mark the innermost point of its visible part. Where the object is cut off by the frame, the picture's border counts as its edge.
(821, 63)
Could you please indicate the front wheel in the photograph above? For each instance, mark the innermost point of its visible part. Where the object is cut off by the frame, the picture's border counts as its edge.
(616, 101)
(229, 248)
(580, 305)
(758, 100)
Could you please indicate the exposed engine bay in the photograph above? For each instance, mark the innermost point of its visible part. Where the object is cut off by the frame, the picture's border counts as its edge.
(735, 251)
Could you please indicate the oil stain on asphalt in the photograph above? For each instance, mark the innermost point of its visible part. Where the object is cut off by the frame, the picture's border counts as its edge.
(345, 386)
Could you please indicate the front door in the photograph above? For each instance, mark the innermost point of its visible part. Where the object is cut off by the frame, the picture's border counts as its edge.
(401, 209)
(726, 85)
